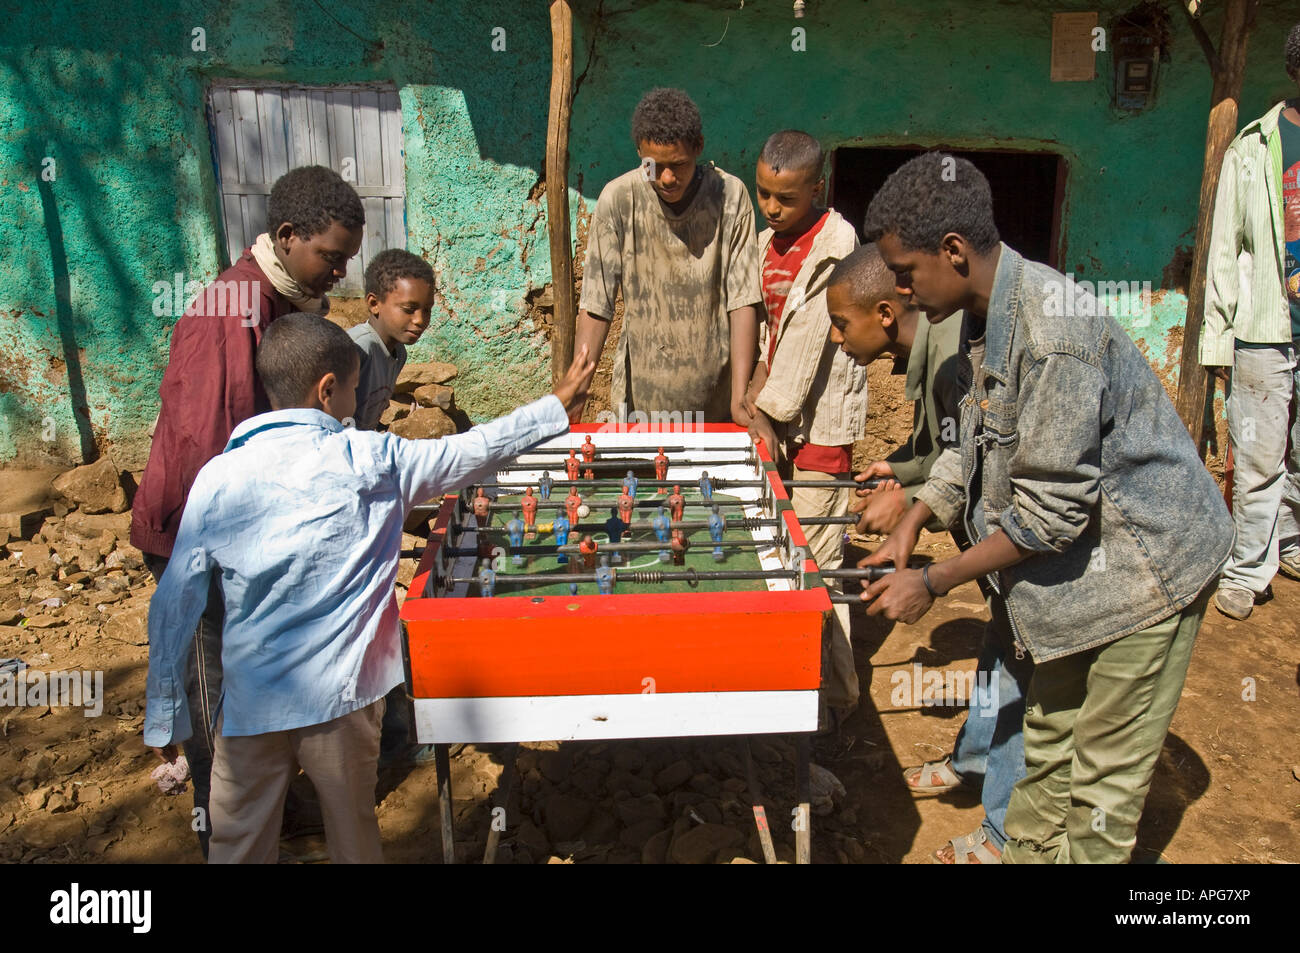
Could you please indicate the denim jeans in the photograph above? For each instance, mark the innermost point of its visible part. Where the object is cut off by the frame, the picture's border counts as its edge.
(203, 692)
(990, 750)
(1262, 413)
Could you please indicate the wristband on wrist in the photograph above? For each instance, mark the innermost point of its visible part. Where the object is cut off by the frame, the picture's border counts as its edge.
(929, 587)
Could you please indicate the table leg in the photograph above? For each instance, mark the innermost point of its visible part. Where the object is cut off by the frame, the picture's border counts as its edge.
(803, 789)
(442, 765)
(756, 799)
(498, 822)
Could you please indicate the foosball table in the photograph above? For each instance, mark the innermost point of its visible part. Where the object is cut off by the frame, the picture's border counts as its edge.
(652, 582)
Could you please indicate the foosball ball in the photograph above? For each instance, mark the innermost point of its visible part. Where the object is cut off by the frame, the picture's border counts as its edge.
(651, 583)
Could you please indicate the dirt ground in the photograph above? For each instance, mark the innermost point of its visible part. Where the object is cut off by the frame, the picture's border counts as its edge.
(77, 789)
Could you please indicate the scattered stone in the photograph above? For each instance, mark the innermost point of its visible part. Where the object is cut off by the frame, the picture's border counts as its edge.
(23, 523)
(395, 410)
(125, 556)
(424, 423)
(94, 488)
(54, 831)
(655, 850)
(673, 776)
(130, 624)
(637, 834)
(587, 780)
(628, 759)
(565, 817)
(700, 844)
(90, 526)
(600, 829)
(35, 801)
(556, 765)
(39, 558)
(531, 837)
(44, 621)
(417, 375)
(435, 395)
(648, 807)
(706, 784)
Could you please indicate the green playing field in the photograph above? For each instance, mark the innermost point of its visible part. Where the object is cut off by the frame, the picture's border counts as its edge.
(698, 556)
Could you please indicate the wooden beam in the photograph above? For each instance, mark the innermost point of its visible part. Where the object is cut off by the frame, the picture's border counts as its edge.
(1193, 392)
(557, 188)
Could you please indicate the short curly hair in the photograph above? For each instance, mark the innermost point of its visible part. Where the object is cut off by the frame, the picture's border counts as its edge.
(793, 149)
(1293, 53)
(929, 196)
(392, 265)
(664, 116)
(309, 198)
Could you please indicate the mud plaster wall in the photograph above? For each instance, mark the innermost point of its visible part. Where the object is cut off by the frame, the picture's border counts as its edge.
(116, 98)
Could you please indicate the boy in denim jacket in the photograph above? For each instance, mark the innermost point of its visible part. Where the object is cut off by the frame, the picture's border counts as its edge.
(1091, 515)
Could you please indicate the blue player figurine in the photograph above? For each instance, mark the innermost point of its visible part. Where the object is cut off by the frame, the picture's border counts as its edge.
(706, 486)
(544, 486)
(487, 582)
(716, 525)
(629, 484)
(515, 529)
(662, 527)
(561, 530)
(604, 577)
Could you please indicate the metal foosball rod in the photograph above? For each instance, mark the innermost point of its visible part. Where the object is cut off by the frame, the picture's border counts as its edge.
(625, 464)
(731, 522)
(719, 483)
(640, 576)
(640, 546)
(608, 449)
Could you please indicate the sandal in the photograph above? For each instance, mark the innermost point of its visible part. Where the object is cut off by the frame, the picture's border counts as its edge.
(920, 778)
(976, 844)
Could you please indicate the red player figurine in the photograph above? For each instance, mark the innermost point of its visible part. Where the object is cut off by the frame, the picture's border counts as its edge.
(625, 505)
(676, 504)
(571, 466)
(679, 546)
(482, 507)
(588, 549)
(529, 505)
(571, 504)
(588, 450)
(661, 468)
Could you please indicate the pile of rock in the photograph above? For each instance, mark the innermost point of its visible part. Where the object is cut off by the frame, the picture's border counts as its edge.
(67, 567)
(679, 802)
(423, 404)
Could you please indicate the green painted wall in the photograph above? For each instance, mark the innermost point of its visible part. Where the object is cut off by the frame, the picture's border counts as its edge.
(115, 96)
(117, 99)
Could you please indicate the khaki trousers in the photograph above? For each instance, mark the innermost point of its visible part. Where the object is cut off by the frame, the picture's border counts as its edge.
(251, 775)
(827, 549)
(1095, 722)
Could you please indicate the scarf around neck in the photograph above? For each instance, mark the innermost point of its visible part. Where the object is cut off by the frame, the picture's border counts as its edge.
(282, 281)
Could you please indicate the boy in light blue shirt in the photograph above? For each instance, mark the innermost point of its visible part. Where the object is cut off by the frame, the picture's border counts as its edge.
(303, 519)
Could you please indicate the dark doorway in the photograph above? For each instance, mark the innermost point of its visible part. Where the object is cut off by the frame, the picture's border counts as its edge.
(1028, 188)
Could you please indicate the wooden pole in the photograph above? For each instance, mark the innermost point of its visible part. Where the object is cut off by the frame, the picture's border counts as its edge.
(557, 187)
(1193, 392)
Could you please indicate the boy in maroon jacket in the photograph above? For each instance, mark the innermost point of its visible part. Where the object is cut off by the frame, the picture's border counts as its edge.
(314, 225)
